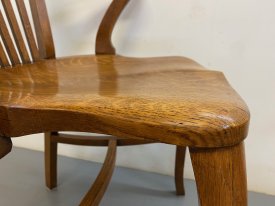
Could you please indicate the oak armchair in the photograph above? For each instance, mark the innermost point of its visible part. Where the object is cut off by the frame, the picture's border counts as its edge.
(171, 100)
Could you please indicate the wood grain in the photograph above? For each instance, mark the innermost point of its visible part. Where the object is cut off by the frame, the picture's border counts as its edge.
(28, 29)
(50, 153)
(16, 31)
(179, 170)
(171, 100)
(220, 175)
(42, 29)
(7, 41)
(104, 35)
(94, 140)
(96, 192)
(53, 138)
(17, 51)
(3, 57)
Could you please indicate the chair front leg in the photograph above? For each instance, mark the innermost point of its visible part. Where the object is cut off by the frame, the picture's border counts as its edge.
(5, 146)
(220, 175)
(50, 161)
(179, 170)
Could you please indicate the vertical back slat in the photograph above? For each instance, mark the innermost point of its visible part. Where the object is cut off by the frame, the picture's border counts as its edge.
(16, 31)
(8, 41)
(3, 57)
(28, 29)
(42, 28)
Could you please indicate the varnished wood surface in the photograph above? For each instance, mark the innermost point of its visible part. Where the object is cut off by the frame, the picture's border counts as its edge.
(179, 170)
(23, 53)
(96, 140)
(22, 10)
(42, 29)
(53, 138)
(7, 41)
(104, 35)
(220, 175)
(172, 100)
(50, 160)
(96, 192)
(17, 50)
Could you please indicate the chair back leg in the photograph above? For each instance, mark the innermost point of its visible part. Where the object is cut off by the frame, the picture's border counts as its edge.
(50, 161)
(179, 170)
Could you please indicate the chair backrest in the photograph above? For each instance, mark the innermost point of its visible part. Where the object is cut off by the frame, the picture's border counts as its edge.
(103, 39)
(20, 46)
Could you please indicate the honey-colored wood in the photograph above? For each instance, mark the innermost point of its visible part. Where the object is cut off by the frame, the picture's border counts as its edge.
(220, 175)
(7, 41)
(96, 140)
(50, 160)
(104, 35)
(5, 146)
(3, 57)
(179, 169)
(28, 29)
(171, 100)
(16, 31)
(53, 138)
(43, 29)
(96, 192)
(104, 46)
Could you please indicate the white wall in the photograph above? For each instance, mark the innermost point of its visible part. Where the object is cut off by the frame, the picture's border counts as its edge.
(236, 37)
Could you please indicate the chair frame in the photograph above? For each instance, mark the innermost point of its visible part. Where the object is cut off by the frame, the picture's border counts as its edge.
(219, 164)
(104, 46)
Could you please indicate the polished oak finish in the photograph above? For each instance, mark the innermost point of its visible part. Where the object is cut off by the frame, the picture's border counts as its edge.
(171, 100)
(104, 46)
(28, 30)
(104, 35)
(94, 140)
(42, 30)
(220, 175)
(134, 101)
(50, 148)
(96, 192)
(179, 170)
(16, 31)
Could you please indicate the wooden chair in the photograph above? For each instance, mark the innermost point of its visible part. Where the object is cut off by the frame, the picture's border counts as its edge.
(171, 100)
(53, 138)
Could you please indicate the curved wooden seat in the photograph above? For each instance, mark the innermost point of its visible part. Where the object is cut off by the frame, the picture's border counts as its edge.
(168, 99)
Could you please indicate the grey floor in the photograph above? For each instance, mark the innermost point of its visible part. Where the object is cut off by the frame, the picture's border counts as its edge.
(22, 183)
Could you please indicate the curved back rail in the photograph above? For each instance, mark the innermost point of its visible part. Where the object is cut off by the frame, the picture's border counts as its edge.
(13, 48)
(20, 46)
(104, 35)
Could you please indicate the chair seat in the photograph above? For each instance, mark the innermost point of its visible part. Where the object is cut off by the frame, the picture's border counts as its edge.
(169, 99)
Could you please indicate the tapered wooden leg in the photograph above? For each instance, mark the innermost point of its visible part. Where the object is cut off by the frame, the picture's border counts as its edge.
(220, 176)
(50, 161)
(5, 146)
(179, 170)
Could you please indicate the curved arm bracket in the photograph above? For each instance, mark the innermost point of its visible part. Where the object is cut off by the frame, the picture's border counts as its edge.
(104, 35)
(96, 192)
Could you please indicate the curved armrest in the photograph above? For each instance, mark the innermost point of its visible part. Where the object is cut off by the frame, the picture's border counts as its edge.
(104, 35)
